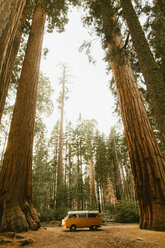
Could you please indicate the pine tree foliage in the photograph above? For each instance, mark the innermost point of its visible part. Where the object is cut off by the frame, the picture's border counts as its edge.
(75, 189)
(155, 28)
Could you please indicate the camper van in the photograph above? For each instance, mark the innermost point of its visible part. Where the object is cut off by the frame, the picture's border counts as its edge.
(78, 219)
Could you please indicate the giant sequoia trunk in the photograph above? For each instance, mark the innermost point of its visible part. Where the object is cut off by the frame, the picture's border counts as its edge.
(6, 73)
(147, 163)
(16, 198)
(150, 69)
(10, 14)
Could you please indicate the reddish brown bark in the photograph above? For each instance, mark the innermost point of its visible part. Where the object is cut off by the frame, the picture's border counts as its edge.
(6, 73)
(147, 163)
(16, 196)
(150, 69)
(10, 14)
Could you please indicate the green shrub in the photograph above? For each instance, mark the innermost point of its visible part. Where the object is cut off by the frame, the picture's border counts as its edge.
(110, 208)
(92, 206)
(60, 213)
(127, 212)
(47, 214)
(106, 217)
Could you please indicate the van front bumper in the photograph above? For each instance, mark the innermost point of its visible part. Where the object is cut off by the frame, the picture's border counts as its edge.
(63, 224)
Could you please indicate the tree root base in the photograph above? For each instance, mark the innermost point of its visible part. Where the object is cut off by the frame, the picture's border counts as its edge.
(19, 219)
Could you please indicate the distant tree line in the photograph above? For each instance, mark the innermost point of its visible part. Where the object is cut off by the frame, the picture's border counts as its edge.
(88, 182)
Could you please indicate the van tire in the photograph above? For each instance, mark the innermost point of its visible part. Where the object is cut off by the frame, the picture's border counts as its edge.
(73, 228)
(93, 228)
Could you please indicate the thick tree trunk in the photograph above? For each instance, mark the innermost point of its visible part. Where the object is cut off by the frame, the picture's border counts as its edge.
(150, 69)
(147, 163)
(16, 198)
(6, 73)
(10, 14)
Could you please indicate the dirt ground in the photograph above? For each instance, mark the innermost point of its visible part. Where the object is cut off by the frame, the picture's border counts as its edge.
(111, 235)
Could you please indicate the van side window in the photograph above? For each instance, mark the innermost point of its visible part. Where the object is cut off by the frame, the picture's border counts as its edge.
(72, 216)
(82, 216)
(92, 215)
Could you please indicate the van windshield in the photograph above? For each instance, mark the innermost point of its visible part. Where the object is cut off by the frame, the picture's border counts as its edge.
(66, 217)
(72, 216)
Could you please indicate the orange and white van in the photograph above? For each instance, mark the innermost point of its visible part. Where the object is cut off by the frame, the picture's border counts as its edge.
(78, 219)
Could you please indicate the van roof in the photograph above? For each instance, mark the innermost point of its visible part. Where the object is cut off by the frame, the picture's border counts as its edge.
(83, 212)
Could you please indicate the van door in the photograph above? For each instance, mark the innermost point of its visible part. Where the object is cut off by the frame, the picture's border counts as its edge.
(93, 219)
(72, 220)
(82, 220)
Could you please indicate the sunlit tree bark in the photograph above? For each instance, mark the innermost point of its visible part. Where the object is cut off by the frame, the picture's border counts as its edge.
(10, 14)
(16, 197)
(147, 163)
(6, 73)
(150, 69)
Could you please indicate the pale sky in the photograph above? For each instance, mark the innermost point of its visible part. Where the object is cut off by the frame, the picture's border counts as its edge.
(89, 95)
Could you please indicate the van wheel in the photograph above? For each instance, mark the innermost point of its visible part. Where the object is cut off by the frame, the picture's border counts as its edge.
(73, 228)
(93, 228)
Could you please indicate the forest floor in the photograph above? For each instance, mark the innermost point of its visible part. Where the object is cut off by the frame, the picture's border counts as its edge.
(110, 235)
